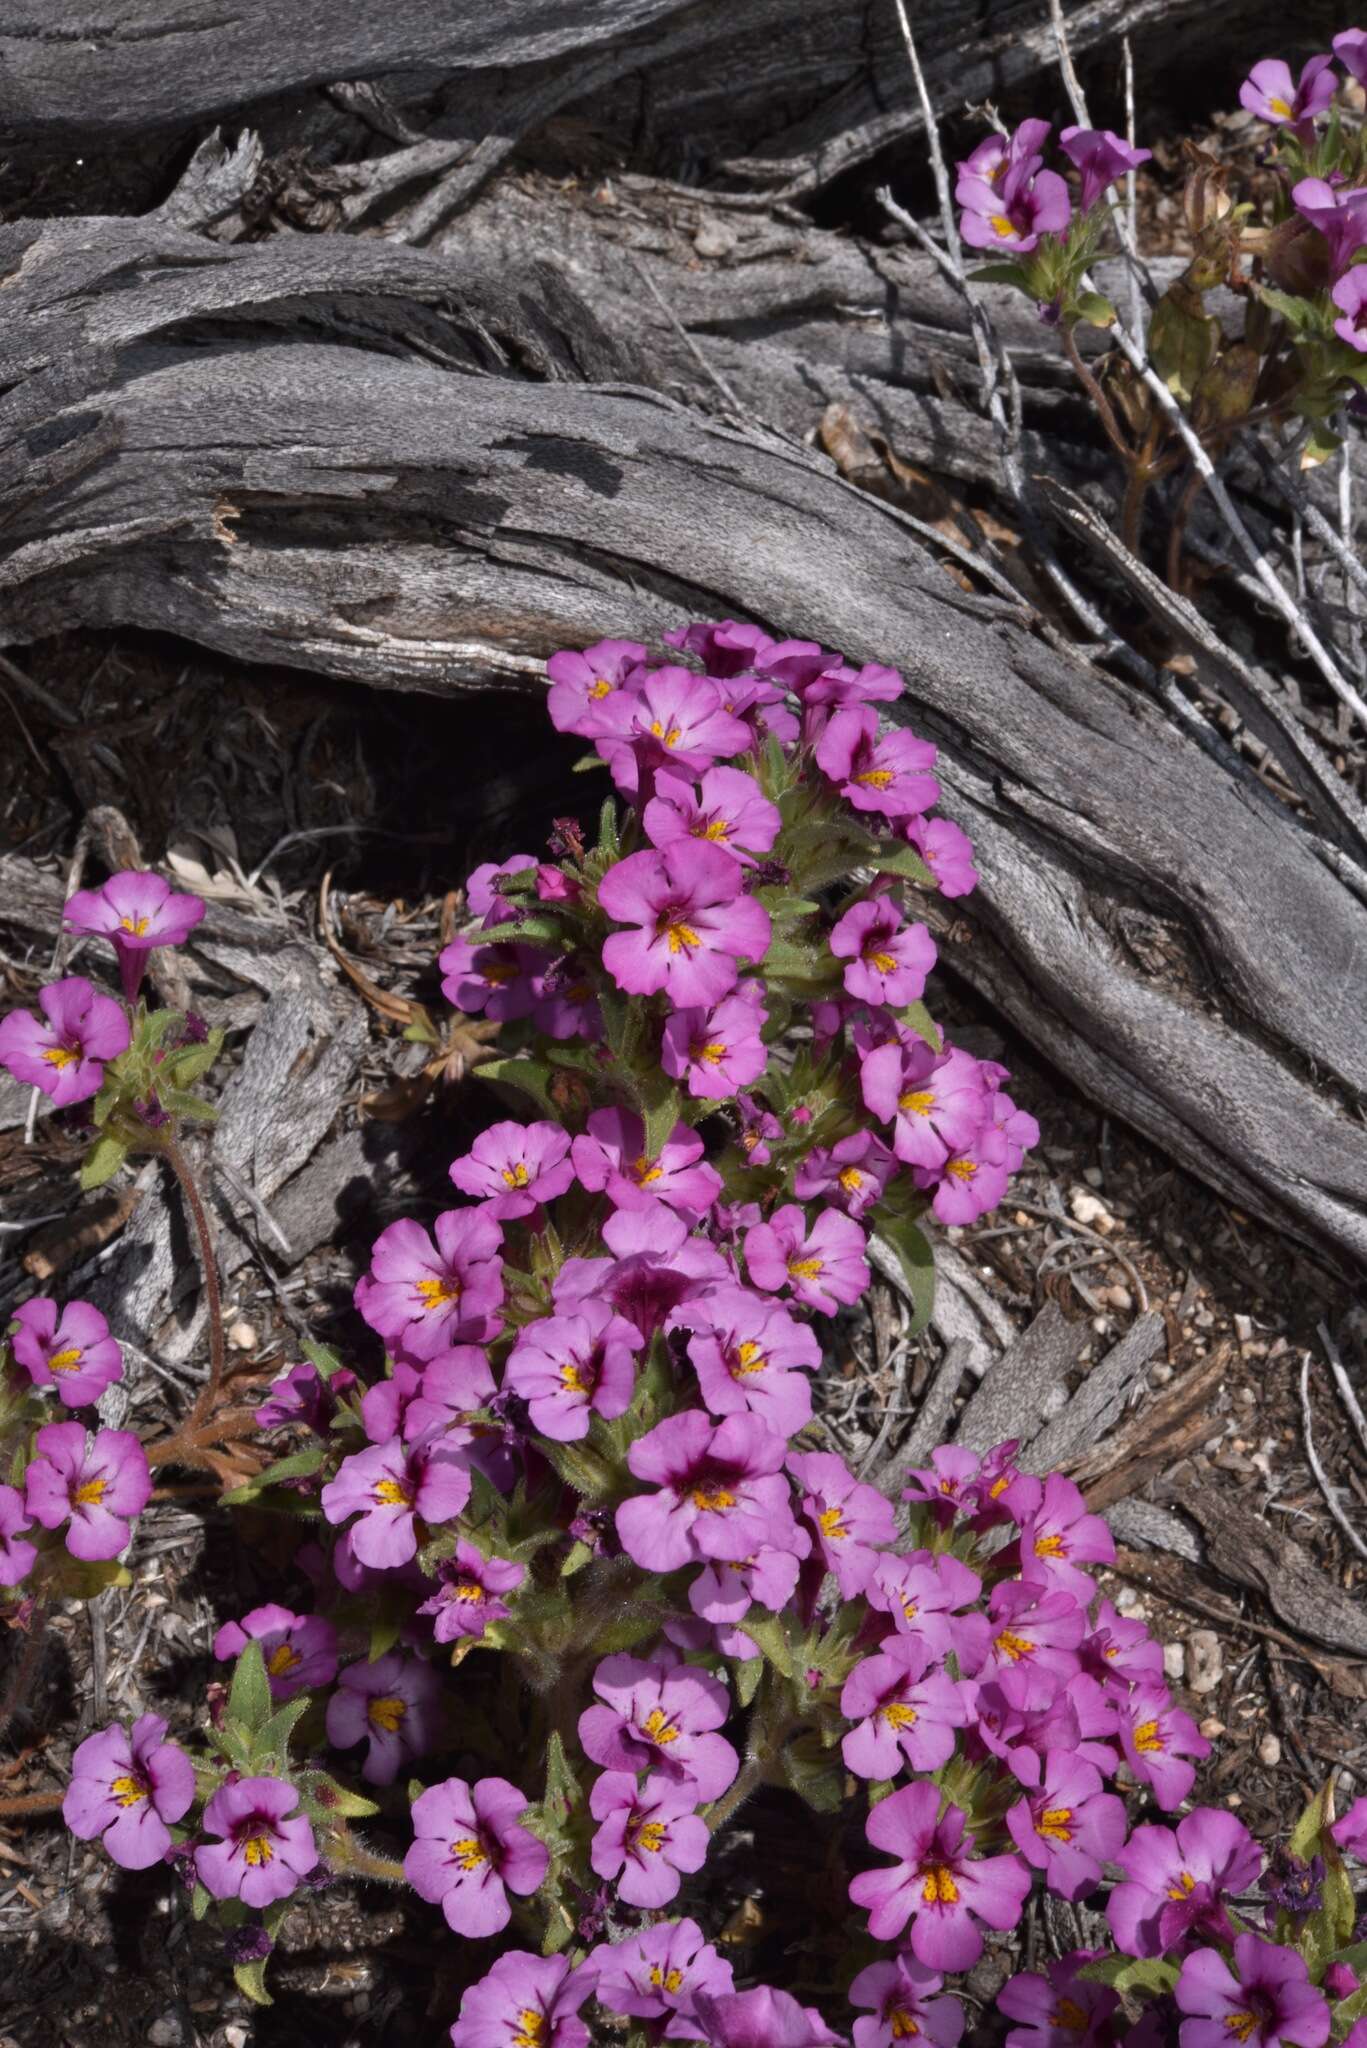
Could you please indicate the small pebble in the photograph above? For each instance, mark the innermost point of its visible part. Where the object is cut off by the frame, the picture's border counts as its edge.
(1160, 1374)
(242, 1336)
(1243, 1329)
(1092, 1176)
(1174, 1662)
(1086, 1208)
(1233, 1799)
(1211, 1727)
(1127, 1600)
(1270, 1750)
(235, 2036)
(1118, 1297)
(1205, 1660)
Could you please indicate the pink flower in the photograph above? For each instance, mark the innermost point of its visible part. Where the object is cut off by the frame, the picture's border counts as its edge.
(724, 1591)
(906, 1713)
(1000, 163)
(690, 922)
(525, 2001)
(1273, 95)
(130, 1789)
(761, 2018)
(428, 1297)
(469, 1852)
(850, 1522)
(266, 1846)
(392, 1706)
(1121, 1653)
(1036, 1633)
(1062, 2010)
(1058, 1540)
(567, 1003)
(822, 1267)
(647, 1836)
(922, 1594)
(720, 1492)
(660, 1716)
(136, 911)
(1102, 157)
(655, 1974)
(889, 961)
(1350, 296)
(513, 1167)
(1351, 1832)
(899, 1997)
(97, 1484)
(62, 1054)
(17, 1558)
(469, 1593)
(299, 1650)
(971, 1181)
(725, 647)
(717, 1050)
(748, 1354)
(676, 720)
(837, 684)
(70, 1349)
(1341, 218)
(1350, 47)
(1156, 1738)
(389, 1486)
(946, 851)
(852, 1175)
(656, 1265)
(936, 1102)
(1267, 1998)
(1008, 201)
(586, 688)
(302, 1396)
(1177, 1879)
(886, 775)
(492, 976)
(1068, 1826)
(727, 808)
(611, 1159)
(483, 895)
(934, 1884)
(451, 1386)
(570, 1367)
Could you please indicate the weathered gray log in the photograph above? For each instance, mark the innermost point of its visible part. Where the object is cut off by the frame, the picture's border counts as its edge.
(294, 452)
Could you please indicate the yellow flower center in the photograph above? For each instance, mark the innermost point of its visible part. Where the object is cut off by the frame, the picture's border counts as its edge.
(644, 1171)
(902, 2024)
(1054, 1824)
(712, 1499)
(649, 1835)
(658, 1726)
(89, 1494)
(884, 962)
(128, 1791)
(282, 1660)
(804, 1269)
(436, 1293)
(66, 1361)
(257, 1850)
(497, 972)
(875, 778)
(392, 1493)
(1069, 2014)
(136, 927)
(1005, 228)
(1278, 107)
(531, 2029)
(680, 935)
(852, 1180)
(60, 1056)
(898, 1715)
(1240, 2025)
(670, 735)
(962, 1169)
(919, 1102)
(911, 1608)
(833, 1525)
(749, 1359)
(575, 1379)
(1049, 1546)
(939, 1888)
(599, 688)
(516, 1176)
(469, 1853)
(469, 1590)
(1184, 1887)
(1147, 1737)
(713, 1053)
(665, 1980)
(386, 1713)
(720, 828)
(1013, 1646)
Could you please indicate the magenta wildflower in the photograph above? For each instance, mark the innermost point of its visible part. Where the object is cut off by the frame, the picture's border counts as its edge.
(727, 808)
(750, 1354)
(525, 2001)
(1008, 201)
(676, 719)
(724, 1590)
(1340, 216)
(654, 1975)
(130, 1788)
(899, 1999)
(1266, 1999)
(887, 775)
(610, 1158)
(720, 1492)
(758, 1127)
(511, 1168)
(936, 1102)
(656, 1265)
(567, 1003)
(1350, 296)
(302, 1396)
(392, 1706)
(299, 1650)
(946, 851)
(469, 1595)
(905, 1712)
(717, 1050)
(691, 923)
(923, 1594)
(1102, 157)
(483, 895)
(427, 1297)
(586, 688)
(568, 1368)
(998, 160)
(852, 1174)
(1121, 1653)
(495, 976)
(725, 647)
(63, 1053)
(69, 1349)
(836, 684)
(469, 1851)
(1351, 1831)
(935, 1883)
(971, 1180)
(451, 1387)
(136, 911)
(1068, 1826)
(1061, 2010)
(1035, 1632)
(889, 960)
(1157, 1738)
(660, 1716)
(1273, 95)
(1060, 1538)
(17, 1558)
(97, 1484)
(267, 1846)
(850, 1522)
(648, 1836)
(1177, 1880)
(822, 1266)
(761, 2018)
(390, 1486)
(1350, 47)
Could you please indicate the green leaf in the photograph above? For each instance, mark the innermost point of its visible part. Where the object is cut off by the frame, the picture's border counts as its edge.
(890, 858)
(275, 1736)
(562, 1786)
(250, 1979)
(917, 1260)
(1299, 314)
(192, 1062)
(1347, 2011)
(1095, 310)
(746, 1678)
(609, 839)
(917, 1018)
(320, 1356)
(327, 1798)
(385, 1630)
(577, 1557)
(532, 1077)
(249, 1698)
(1305, 1841)
(1182, 344)
(582, 1468)
(768, 1632)
(180, 1102)
(81, 1578)
(530, 931)
(999, 273)
(815, 1773)
(662, 1106)
(199, 1901)
(807, 967)
(1129, 1973)
(102, 1161)
(297, 1466)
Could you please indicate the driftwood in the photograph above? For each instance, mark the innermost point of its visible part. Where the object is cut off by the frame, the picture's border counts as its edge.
(296, 452)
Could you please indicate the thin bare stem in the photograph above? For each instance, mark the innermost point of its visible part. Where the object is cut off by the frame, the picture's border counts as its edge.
(1178, 530)
(1331, 1499)
(18, 1686)
(1098, 397)
(1132, 198)
(179, 1165)
(30, 1802)
(948, 225)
